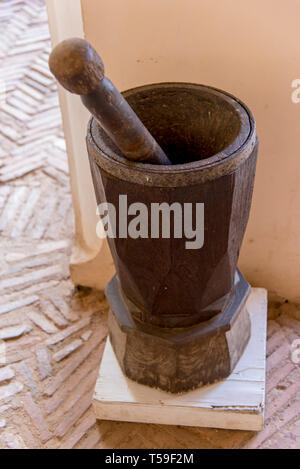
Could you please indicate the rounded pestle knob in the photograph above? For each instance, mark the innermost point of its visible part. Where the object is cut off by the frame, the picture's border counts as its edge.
(78, 68)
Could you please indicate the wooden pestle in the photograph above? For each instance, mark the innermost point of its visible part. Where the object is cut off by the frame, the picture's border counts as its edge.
(79, 69)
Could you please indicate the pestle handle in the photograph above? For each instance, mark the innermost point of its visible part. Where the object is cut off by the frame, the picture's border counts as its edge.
(79, 69)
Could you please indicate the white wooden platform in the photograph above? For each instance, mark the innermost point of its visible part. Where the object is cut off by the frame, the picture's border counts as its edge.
(235, 403)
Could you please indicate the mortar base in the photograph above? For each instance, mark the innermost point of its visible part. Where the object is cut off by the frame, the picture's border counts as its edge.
(236, 402)
(179, 359)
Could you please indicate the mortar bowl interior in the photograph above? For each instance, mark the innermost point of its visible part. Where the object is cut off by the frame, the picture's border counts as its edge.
(190, 122)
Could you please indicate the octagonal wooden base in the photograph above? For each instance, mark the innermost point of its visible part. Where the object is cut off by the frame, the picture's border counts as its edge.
(179, 359)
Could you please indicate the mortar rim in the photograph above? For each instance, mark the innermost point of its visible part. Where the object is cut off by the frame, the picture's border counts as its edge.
(217, 165)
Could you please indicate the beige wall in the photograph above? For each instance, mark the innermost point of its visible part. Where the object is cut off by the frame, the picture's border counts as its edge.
(249, 48)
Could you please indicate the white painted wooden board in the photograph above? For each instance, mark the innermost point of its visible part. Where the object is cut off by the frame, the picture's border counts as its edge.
(234, 403)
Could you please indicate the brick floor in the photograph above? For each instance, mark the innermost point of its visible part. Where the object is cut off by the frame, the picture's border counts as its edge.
(52, 335)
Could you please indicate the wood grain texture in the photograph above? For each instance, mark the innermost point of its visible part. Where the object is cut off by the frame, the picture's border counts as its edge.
(76, 65)
(237, 402)
(178, 359)
(79, 69)
(172, 286)
(122, 125)
(162, 288)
